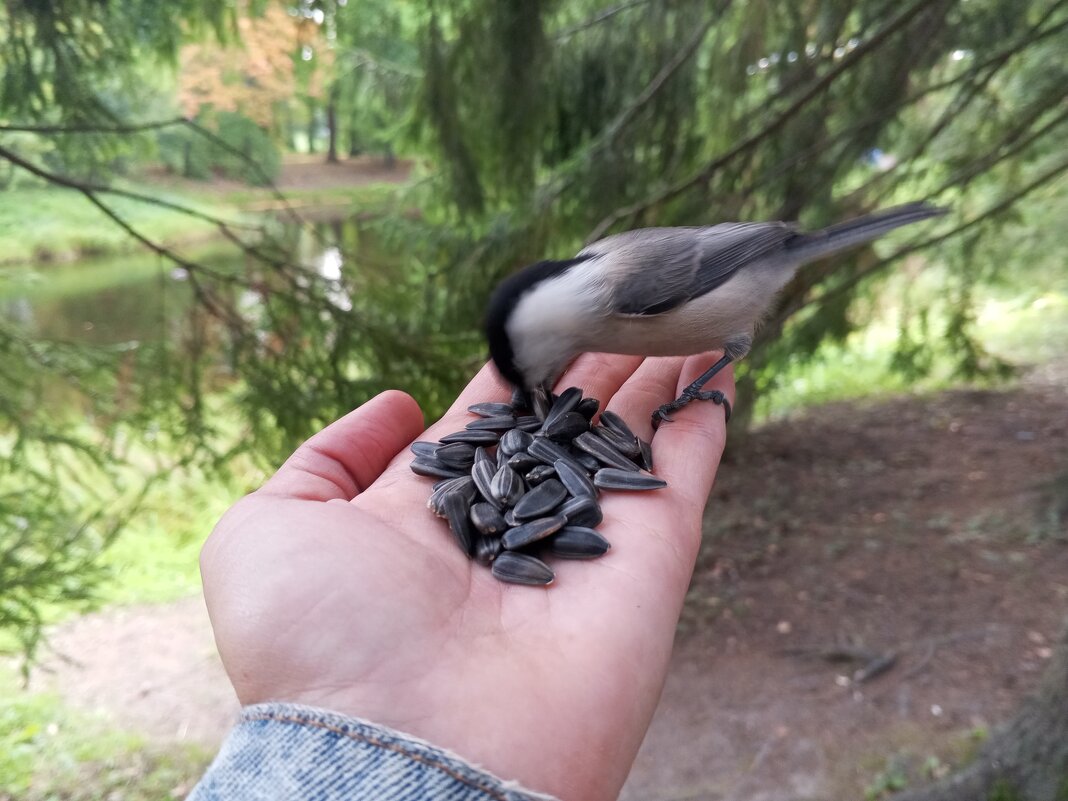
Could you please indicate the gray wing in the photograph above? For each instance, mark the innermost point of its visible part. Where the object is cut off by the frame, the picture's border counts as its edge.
(667, 267)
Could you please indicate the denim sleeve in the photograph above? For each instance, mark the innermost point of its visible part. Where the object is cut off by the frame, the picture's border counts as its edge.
(287, 752)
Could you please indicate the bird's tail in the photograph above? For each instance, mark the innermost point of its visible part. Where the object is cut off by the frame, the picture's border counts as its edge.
(849, 234)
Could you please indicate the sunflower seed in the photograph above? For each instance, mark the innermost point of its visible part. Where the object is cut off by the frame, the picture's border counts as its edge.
(473, 437)
(541, 500)
(563, 403)
(433, 468)
(528, 423)
(456, 511)
(576, 481)
(540, 473)
(487, 519)
(645, 454)
(487, 549)
(565, 427)
(507, 487)
(424, 448)
(502, 459)
(520, 398)
(515, 441)
(616, 423)
(547, 451)
(603, 452)
(511, 519)
(483, 473)
(457, 454)
(582, 512)
(482, 455)
(540, 404)
(520, 536)
(463, 486)
(628, 446)
(588, 407)
(501, 422)
(610, 478)
(518, 568)
(578, 542)
(522, 462)
(491, 409)
(588, 462)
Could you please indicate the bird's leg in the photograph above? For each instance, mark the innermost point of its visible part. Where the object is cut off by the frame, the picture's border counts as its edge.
(693, 392)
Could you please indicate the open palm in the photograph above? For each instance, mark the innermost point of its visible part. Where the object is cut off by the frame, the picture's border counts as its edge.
(334, 586)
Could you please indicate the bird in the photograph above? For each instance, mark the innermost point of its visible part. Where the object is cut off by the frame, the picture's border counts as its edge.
(662, 292)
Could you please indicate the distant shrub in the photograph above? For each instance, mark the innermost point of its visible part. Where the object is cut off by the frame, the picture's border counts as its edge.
(192, 155)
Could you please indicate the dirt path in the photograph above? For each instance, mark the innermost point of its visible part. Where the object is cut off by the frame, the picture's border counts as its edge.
(926, 532)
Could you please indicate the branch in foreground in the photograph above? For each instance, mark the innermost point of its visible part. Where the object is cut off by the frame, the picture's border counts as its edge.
(817, 87)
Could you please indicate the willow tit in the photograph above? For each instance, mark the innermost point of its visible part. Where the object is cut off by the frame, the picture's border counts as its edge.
(661, 292)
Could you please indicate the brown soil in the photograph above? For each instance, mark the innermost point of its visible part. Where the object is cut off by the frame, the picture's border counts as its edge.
(928, 533)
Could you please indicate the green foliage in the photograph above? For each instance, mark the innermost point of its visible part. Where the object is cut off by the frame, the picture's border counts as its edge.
(245, 153)
(48, 752)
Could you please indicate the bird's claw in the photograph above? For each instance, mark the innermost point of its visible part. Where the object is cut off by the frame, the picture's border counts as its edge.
(661, 416)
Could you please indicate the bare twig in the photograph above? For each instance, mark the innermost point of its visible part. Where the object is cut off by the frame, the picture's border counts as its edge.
(599, 17)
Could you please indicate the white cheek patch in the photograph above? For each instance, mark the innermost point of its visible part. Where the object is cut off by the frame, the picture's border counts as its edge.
(550, 323)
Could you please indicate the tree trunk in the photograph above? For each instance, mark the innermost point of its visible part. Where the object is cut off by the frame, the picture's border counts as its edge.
(311, 125)
(1025, 761)
(331, 125)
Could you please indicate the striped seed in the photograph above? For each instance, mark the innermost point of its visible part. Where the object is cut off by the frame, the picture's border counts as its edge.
(528, 422)
(610, 478)
(645, 454)
(628, 446)
(595, 446)
(565, 402)
(433, 468)
(576, 481)
(582, 512)
(541, 500)
(565, 427)
(463, 486)
(547, 452)
(578, 542)
(473, 437)
(487, 519)
(457, 454)
(456, 512)
(616, 423)
(590, 464)
(482, 474)
(521, 536)
(518, 568)
(515, 441)
(424, 448)
(501, 422)
(588, 407)
(507, 486)
(482, 455)
(487, 549)
(523, 462)
(490, 409)
(542, 472)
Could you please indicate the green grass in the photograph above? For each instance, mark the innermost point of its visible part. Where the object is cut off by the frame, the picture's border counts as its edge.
(1023, 330)
(60, 225)
(51, 753)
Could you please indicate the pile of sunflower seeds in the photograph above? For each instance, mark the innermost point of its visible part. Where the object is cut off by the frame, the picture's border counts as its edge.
(519, 483)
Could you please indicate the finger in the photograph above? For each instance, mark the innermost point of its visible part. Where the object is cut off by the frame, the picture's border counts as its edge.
(651, 385)
(347, 456)
(687, 449)
(599, 375)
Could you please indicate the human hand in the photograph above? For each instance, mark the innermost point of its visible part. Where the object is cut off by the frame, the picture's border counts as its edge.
(334, 586)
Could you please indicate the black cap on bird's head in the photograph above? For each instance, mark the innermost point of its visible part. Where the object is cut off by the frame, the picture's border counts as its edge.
(502, 305)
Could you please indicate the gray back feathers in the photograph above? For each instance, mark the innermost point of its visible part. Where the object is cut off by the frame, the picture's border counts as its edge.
(666, 267)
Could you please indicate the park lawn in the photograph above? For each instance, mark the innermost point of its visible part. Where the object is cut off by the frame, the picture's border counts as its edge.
(50, 752)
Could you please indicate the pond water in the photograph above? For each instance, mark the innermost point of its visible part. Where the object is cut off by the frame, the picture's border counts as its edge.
(368, 320)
